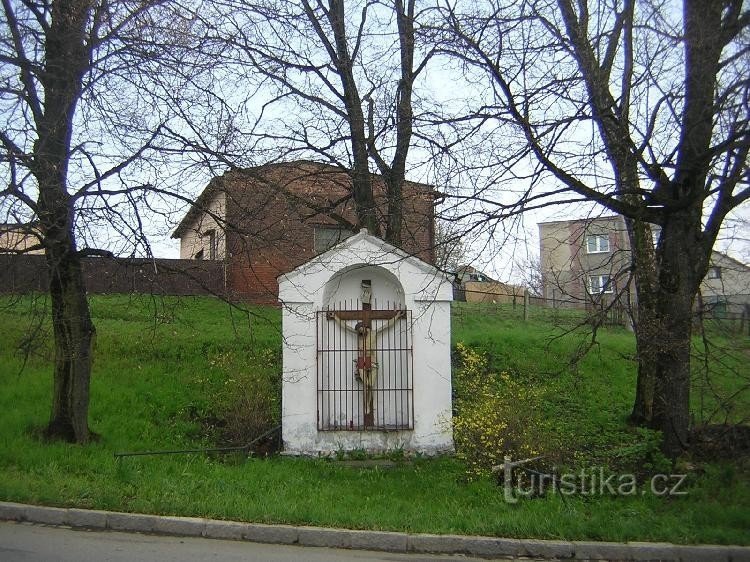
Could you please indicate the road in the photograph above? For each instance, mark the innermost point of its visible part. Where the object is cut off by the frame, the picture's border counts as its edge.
(21, 542)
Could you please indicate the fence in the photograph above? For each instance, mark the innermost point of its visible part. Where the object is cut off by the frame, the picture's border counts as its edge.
(731, 314)
(516, 302)
(28, 273)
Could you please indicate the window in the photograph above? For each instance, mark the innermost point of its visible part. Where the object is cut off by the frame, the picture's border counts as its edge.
(326, 237)
(716, 304)
(211, 235)
(714, 273)
(597, 244)
(599, 284)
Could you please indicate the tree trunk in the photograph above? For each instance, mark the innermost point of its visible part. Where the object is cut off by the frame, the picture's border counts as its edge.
(362, 184)
(74, 341)
(404, 118)
(645, 321)
(671, 408)
(67, 54)
(361, 180)
(643, 405)
(71, 321)
(682, 265)
(395, 211)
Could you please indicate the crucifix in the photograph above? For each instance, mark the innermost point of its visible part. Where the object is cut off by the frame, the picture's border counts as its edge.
(366, 366)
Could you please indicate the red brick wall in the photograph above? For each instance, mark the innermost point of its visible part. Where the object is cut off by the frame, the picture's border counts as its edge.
(272, 231)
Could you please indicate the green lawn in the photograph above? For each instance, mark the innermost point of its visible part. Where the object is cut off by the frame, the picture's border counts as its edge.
(168, 371)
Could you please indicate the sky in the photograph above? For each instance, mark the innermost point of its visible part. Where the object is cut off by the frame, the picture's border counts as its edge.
(503, 250)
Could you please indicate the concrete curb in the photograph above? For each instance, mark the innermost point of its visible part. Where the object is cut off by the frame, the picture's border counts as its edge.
(487, 547)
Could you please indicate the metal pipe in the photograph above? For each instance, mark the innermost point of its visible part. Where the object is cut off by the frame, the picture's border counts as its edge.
(209, 450)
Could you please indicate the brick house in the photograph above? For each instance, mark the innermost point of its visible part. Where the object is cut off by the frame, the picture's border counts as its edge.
(267, 220)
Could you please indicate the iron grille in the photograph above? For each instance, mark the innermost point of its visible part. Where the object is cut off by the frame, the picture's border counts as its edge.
(364, 379)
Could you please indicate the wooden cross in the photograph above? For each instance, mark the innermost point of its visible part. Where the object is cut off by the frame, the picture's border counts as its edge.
(366, 366)
(365, 315)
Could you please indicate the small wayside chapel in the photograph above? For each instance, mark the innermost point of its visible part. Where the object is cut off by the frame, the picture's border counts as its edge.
(366, 352)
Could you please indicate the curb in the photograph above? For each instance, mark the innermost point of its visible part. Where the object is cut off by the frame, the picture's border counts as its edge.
(487, 547)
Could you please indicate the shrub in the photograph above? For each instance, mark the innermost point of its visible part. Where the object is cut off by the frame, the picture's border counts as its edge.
(252, 409)
(495, 415)
(249, 403)
(499, 413)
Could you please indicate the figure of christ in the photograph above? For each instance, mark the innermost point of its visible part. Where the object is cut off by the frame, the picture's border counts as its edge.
(366, 366)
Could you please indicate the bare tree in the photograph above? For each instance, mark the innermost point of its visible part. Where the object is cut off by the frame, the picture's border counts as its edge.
(450, 250)
(350, 69)
(79, 118)
(642, 110)
(532, 276)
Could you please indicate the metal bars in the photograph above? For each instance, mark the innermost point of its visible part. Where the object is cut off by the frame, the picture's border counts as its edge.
(364, 369)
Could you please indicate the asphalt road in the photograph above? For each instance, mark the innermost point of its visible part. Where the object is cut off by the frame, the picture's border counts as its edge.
(26, 541)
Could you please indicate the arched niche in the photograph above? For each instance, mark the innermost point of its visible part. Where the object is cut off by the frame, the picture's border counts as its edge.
(344, 288)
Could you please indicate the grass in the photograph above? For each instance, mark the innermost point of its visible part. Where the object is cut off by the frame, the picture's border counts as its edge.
(166, 366)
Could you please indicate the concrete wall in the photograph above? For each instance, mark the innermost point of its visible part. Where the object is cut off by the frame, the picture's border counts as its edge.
(556, 259)
(18, 240)
(493, 292)
(729, 292)
(196, 237)
(336, 275)
(567, 263)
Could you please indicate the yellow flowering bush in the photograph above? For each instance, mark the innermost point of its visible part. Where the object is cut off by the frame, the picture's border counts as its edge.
(494, 415)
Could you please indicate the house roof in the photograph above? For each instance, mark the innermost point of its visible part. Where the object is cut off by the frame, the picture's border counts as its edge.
(199, 205)
(469, 270)
(382, 246)
(330, 183)
(734, 261)
(421, 281)
(31, 227)
(587, 220)
(20, 237)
